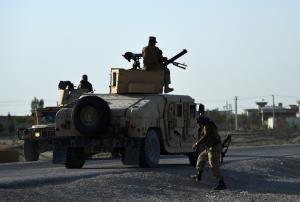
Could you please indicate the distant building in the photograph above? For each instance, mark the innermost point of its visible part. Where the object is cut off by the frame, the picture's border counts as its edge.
(265, 112)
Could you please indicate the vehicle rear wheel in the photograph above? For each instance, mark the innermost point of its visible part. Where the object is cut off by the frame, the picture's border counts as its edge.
(31, 150)
(75, 157)
(150, 150)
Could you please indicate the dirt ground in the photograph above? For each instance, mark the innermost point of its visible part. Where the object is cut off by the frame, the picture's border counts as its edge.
(263, 137)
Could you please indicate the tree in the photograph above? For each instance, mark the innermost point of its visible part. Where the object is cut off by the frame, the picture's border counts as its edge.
(254, 121)
(220, 118)
(243, 121)
(11, 127)
(1, 127)
(36, 104)
(8, 116)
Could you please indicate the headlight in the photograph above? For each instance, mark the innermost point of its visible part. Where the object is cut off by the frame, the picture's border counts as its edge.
(37, 134)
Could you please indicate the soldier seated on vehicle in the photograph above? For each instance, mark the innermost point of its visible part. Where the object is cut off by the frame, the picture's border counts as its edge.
(153, 61)
(85, 84)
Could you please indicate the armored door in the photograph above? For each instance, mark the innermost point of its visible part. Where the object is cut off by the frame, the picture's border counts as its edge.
(189, 129)
(174, 121)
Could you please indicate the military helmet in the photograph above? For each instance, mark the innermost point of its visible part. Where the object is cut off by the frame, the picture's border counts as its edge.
(152, 39)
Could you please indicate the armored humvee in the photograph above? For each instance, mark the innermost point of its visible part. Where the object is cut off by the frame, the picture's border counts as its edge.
(39, 137)
(134, 119)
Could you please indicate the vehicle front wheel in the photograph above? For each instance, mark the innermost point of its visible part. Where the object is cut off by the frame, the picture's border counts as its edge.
(31, 150)
(75, 157)
(150, 150)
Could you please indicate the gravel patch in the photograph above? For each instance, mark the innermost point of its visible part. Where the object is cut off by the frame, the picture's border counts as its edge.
(260, 179)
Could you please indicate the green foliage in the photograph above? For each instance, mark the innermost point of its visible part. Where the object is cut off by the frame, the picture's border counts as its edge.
(225, 120)
(222, 119)
(11, 126)
(36, 104)
(254, 121)
(21, 119)
(1, 127)
(8, 116)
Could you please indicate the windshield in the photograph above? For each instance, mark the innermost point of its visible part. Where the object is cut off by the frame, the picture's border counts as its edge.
(48, 117)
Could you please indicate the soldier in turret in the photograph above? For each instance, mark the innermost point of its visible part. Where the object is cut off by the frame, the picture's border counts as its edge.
(153, 61)
(85, 84)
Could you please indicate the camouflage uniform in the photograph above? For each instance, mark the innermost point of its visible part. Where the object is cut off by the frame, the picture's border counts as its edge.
(153, 60)
(212, 141)
(209, 136)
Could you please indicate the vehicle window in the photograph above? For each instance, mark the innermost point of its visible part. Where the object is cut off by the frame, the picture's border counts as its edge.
(114, 79)
(179, 110)
(48, 117)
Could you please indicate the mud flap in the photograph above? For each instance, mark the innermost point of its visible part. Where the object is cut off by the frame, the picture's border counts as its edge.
(131, 155)
(59, 154)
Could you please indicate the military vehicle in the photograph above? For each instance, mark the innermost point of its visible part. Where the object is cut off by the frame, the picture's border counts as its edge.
(134, 119)
(39, 137)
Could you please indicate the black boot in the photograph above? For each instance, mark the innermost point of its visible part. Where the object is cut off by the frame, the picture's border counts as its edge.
(197, 177)
(220, 186)
(168, 89)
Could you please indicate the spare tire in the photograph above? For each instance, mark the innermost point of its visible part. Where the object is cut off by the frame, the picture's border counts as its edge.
(91, 115)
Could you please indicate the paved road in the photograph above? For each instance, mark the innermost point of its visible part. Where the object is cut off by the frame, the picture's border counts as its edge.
(254, 166)
(264, 151)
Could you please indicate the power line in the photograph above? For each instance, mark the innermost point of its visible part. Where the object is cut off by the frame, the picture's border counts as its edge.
(253, 98)
(288, 96)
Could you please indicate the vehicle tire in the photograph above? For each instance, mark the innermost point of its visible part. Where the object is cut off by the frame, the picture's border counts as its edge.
(31, 150)
(75, 157)
(193, 157)
(91, 115)
(150, 150)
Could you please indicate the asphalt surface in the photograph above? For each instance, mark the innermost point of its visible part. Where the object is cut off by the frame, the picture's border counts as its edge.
(270, 173)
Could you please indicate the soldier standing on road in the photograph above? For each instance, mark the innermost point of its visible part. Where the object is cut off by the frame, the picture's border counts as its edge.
(210, 137)
(153, 61)
(85, 84)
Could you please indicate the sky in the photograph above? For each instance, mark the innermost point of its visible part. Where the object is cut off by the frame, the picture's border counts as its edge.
(244, 48)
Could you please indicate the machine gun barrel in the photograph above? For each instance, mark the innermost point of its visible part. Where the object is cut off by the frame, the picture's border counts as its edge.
(171, 60)
(180, 65)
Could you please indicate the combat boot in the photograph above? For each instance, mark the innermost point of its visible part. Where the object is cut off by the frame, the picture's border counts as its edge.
(168, 89)
(220, 186)
(197, 177)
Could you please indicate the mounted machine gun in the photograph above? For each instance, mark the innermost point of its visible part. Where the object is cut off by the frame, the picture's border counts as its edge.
(137, 56)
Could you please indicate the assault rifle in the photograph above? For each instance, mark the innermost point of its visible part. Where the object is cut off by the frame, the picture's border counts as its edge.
(225, 146)
(137, 56)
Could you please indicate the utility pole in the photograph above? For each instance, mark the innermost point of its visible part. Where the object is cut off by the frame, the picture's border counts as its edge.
(230, 112)
(274, 123)
(236, 117)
